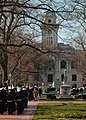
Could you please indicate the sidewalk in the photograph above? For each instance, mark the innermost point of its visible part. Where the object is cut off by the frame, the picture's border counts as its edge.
(26, 115)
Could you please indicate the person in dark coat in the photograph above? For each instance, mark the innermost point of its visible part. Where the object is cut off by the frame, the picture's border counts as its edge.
(3, 105)
(25, 97)
(11, 101)
(1, 102)
(40, 91)
(19, 101)
(31, 89)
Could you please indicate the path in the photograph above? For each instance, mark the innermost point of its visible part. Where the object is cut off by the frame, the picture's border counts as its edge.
(26, 115)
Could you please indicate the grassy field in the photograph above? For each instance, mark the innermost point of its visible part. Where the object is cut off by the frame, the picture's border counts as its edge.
(60, 112)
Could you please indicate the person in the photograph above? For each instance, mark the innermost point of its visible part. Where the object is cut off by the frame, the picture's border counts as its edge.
(4, 94)
(11, 101)
(30, 91)
(3, 105)
(19, 101)
(81, 90)
(25, 97)
(40, 91)
(35, 93)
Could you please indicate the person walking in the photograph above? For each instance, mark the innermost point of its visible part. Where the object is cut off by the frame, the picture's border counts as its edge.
(11, 101)
(35, 93)
(19, 101)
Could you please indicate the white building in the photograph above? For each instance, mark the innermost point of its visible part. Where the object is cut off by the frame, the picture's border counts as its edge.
(54, 76)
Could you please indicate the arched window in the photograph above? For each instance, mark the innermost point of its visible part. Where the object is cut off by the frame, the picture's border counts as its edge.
(63, 64)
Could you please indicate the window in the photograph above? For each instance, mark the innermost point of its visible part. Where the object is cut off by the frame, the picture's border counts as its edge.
(63, 64)
(50, 78)
(49, 40)
(62, 77)
(74, 77)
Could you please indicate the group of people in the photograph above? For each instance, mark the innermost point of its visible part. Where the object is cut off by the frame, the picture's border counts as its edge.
(13, 99)
(75, 91)
(16, 99)
(34, 93)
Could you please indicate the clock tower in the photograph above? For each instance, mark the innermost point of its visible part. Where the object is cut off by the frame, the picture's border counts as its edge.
(49, 29)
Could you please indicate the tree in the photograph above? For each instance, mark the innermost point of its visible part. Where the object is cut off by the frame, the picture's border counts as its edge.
(11, 22)
(80, 55)
(79, 35)
(23, 15)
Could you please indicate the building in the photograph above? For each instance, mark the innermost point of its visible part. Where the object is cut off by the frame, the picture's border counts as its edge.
(63, 60)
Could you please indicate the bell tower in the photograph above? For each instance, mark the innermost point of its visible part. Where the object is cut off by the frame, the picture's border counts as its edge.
(49, 29)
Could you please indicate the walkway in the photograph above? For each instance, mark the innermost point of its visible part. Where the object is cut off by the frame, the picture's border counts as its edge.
(29, 112)
(26, 115)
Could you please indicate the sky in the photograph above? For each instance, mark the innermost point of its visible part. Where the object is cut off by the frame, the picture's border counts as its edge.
(66, 30)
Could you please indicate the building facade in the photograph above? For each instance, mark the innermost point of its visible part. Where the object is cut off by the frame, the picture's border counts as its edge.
(54, 76)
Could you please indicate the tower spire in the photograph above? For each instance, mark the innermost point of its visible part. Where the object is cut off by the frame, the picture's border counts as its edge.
(50, 29)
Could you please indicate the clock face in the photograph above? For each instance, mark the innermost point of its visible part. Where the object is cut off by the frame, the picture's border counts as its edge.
(49, 21)
(49, 32)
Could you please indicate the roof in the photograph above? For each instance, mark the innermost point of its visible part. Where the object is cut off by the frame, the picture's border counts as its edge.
(49, 13)
(65, 46)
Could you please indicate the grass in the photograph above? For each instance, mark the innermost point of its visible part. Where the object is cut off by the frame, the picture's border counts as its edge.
(60, 112)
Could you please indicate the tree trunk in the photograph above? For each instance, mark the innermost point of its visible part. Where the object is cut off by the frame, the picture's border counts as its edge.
(4, 64)
(5, 76)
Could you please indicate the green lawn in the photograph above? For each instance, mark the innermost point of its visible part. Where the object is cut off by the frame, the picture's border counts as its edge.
(60, 112)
